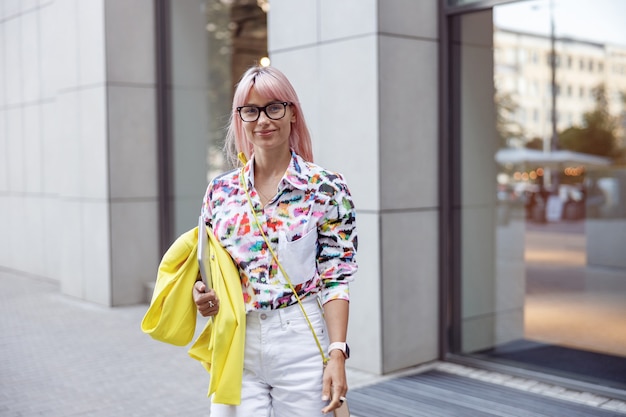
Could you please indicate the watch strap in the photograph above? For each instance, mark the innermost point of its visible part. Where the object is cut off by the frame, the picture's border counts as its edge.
(342, 346)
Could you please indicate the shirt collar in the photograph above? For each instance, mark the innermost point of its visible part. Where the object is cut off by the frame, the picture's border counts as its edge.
(294, 175)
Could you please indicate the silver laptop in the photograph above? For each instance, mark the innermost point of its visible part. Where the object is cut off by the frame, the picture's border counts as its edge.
(203, 253)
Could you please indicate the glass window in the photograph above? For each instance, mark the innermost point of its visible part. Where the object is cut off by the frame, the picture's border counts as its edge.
(542, 203)
(211, 44)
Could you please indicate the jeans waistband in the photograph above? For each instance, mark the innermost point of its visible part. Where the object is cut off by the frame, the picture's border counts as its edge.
(311, 305)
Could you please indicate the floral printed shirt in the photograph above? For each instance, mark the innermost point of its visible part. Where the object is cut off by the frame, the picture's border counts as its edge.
(310, 224)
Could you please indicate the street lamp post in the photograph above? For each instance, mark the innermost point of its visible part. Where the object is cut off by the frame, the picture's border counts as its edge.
(553, 201)
(552, 143)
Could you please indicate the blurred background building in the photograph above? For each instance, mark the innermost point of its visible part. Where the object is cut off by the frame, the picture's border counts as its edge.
(483, 141)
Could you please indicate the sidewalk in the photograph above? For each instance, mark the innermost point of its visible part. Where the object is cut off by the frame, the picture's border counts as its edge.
(62, 357)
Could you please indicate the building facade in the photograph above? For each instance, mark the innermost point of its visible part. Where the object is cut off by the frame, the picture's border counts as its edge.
(523, 72)
(112, 115)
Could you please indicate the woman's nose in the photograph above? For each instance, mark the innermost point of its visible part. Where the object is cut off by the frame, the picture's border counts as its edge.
(263, 118)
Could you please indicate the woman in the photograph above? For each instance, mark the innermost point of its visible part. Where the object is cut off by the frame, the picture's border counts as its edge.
(307, 214)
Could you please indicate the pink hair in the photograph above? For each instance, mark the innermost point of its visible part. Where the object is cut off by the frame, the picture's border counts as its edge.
(272, 83)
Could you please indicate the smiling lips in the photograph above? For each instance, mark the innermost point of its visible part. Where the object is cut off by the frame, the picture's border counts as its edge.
(266, 132)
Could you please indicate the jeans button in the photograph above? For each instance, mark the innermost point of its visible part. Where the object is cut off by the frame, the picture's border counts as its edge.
(263, 316)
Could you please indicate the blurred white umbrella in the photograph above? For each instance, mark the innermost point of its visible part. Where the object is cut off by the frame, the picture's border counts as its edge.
(552, 158)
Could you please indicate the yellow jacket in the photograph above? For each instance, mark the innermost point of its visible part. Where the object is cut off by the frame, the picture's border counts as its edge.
(171, 317)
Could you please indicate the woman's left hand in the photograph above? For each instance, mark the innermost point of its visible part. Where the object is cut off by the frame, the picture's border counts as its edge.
(335, 385)
(207, 302)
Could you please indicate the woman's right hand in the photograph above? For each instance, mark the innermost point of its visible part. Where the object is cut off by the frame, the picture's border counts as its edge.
(206, 302)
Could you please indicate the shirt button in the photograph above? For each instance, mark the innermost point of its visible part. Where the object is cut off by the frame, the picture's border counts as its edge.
(263, 316)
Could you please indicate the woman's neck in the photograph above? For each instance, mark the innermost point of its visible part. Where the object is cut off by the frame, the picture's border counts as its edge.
(269, 169)
(268, 165)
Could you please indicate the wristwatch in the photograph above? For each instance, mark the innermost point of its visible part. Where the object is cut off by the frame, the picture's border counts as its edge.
(342, 346)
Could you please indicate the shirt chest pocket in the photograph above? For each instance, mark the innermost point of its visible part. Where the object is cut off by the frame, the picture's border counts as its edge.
(298, 257)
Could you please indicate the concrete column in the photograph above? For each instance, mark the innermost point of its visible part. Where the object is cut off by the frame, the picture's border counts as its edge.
(366, 73)
(132, 148)
(78, 145)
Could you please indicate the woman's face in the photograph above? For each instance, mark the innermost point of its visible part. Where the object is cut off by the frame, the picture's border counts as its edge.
(265, 133)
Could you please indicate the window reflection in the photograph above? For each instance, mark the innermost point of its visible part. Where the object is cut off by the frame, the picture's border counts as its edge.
(539, 111)
(558, 276)
(237, 39)
(211, 44)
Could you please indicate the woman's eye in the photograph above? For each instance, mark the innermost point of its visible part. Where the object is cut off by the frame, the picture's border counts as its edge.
(274, 108)
(250, 110)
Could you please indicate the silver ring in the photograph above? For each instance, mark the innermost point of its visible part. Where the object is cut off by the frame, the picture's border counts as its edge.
(211, 304)
(342, 400)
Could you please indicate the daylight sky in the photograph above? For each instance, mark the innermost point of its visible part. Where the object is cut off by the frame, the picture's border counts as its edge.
(602, 21)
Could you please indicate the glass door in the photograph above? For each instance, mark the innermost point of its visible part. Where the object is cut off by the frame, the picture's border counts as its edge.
(209, 45)
(542, 203)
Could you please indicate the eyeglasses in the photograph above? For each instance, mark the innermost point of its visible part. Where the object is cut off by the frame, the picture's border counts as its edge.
(274, 111)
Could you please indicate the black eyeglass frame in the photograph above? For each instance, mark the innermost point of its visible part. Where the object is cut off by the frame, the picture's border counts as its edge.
(263, 109)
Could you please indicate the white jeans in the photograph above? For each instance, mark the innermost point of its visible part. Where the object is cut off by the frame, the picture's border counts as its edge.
(283, 367)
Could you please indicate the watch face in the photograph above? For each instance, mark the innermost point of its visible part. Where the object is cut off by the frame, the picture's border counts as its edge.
(347, 351)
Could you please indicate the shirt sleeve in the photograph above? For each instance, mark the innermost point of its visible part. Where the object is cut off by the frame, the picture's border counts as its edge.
(338, 243)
